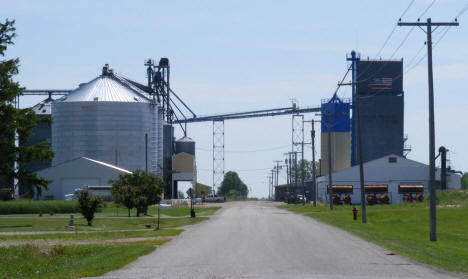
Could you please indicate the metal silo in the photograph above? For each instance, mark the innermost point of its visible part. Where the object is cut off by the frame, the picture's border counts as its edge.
(340, 136)
(108, 120)
(186, 145)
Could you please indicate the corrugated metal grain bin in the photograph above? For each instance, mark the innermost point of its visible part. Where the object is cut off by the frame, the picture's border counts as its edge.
(108, 120)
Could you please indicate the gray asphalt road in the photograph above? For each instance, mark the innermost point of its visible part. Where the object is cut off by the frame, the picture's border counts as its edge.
(257, 240)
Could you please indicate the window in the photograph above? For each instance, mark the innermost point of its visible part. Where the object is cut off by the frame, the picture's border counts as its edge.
(392, 159)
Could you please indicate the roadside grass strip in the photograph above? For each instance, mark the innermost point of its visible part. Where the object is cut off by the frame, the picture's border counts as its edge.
(72, 261)
(57, 223)
(176, 211)
(76, 236)
(404, 228)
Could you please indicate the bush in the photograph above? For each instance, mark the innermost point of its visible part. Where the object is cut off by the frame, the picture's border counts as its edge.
(36, 207)
(88, 205)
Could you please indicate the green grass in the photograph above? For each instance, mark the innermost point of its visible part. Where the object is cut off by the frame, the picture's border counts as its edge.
(176, 211)
(404, 228)
(26, 206)
(72, 261)
(59, 223)
(93, 235)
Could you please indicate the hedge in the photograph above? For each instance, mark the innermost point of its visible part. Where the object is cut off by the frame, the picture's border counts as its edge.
(36, 207)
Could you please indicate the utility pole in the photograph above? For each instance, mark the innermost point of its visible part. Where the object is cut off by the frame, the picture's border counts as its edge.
(330, 163)
(295, 175)
(357, 125)
(272, 182)
(277, 170)
(302, 172)
(289, 172)
(269, 181)
(314, 170)
(432, 200)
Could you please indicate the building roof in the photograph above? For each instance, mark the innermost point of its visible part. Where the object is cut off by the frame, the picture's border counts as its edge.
(44, 107)
(107, 165)
(107, 88)
(93, 161)
(379, 163)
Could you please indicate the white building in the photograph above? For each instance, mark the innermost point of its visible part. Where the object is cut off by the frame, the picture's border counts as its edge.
(391, 172)
(78, 173)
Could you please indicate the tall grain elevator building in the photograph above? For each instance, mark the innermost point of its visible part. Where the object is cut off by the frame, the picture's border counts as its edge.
(381, 101)
(335, 117)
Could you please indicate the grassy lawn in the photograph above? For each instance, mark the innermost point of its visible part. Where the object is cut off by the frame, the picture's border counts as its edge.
(176, 211)
(57, 223)
(93, 235)
(74, 261)
(404, 228)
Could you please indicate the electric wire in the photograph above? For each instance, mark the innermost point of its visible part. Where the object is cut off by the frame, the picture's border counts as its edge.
(398, 47)
(393, 30)
(246, 151)
(388, 38)
(239, 170)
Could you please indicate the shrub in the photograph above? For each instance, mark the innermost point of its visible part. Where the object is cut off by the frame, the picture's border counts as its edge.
(88, 205)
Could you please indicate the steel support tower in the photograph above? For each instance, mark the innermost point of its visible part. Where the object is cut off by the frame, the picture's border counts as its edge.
(297, 146)
(218, 152)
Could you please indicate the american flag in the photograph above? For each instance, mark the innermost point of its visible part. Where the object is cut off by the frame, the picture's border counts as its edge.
(381, 83)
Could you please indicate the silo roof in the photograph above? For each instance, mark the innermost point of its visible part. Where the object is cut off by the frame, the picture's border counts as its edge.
(105, 88)
(185, 139)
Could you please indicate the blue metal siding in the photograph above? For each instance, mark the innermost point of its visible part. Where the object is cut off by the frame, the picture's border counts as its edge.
(339, 119)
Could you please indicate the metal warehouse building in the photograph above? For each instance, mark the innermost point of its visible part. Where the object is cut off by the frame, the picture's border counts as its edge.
(392, 175)
(78, 173)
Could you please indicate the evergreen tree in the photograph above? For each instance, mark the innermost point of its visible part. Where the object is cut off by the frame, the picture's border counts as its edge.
(19, 122)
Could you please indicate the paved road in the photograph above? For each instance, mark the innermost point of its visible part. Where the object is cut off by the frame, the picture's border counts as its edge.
(257, 240)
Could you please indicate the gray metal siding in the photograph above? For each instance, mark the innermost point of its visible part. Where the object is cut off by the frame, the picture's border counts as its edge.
(111, 132)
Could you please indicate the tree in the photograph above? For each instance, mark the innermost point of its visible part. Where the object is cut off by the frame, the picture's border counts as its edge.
(17, 122)
(137, 189)
(233, 187)
(464, 181)
(124, 194)
(302, 165)
(88, 204)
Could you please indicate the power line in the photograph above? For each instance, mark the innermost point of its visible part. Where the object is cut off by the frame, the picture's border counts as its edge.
(399, 46)
(393, 30)
(388, 37)
(238, 170)
(246, 151)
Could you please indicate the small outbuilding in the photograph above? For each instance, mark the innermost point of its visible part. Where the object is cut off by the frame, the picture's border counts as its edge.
(78, 173)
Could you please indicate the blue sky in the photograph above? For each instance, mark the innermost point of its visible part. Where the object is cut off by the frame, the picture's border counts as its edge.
(229, 56)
